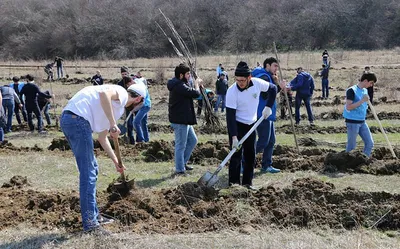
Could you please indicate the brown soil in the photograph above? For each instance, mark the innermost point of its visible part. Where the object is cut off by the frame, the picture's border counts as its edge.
(158, 151)
(189, 208)
(7, 147)
(307, 129)
(16, 181)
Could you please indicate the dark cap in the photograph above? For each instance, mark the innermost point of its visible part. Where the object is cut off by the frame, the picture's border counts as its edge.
(242, 69)
(124, 69)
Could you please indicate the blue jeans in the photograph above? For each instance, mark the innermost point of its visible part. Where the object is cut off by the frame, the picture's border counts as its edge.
(60, 71)
(325, 88)
(23, 111)
(354, 129)
(185, 141)
(129, 126)
(78, 132)
(46, 113)
(8, 105)
(1, 134)
(140, 123)
(307, 103)
(219, 99)
(266, 142)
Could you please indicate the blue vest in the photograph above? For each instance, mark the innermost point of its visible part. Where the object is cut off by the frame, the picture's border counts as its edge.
(360, 112)
(257, 73)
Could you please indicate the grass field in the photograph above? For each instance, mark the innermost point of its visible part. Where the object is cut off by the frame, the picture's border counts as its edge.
(51, 171)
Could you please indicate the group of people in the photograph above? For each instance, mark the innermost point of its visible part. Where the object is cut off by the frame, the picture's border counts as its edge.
(250, 98)
(48, 69)
(23, 97)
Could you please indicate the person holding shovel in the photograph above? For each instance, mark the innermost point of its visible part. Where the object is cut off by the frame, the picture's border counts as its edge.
(95, 109)
(355, 111)
(242, 100)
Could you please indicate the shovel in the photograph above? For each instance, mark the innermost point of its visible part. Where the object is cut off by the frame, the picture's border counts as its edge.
(382, 130)
(124, 186)
(210, 179)
(122, 127)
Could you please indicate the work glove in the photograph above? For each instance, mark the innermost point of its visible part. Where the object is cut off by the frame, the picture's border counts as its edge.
(266, 112)
(235, 143)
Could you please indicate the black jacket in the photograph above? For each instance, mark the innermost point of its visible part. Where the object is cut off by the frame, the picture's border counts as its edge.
(221, 87)
(180, 106)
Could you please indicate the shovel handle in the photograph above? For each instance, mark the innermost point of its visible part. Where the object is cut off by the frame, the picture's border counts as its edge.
(127, 118)
(118, 154)
(381, 127)
(239, 144)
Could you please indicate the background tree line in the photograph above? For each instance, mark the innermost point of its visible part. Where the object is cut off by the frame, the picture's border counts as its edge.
(117, 29)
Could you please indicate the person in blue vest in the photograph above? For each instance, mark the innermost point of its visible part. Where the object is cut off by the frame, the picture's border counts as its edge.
(304, 86)
(355, 111)
(325, 82)
(266, 130)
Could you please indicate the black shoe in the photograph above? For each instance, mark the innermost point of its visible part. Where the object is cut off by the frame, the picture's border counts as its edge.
(104, 221)
(188, 167)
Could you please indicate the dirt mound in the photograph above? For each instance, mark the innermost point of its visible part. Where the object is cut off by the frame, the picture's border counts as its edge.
(59, 143)
(17, 181)
(7, 147)
(307, 129)
(382, 153)
(211, 149)
(189, 208)
(297, 163)
(158, 151)
(160, 128)
(346, 161)
(335, 114)
(307, 141)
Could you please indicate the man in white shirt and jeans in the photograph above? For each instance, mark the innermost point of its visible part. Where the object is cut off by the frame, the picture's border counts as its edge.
(95, 109)
(241, 114)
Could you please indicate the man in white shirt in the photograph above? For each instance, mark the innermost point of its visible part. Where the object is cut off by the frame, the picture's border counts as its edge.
(241, 114)
(95, 109)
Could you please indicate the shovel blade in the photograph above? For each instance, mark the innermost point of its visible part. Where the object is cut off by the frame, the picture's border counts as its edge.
(208, 179)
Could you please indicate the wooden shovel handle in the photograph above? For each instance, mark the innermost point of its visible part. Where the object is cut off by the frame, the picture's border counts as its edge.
(118, 154)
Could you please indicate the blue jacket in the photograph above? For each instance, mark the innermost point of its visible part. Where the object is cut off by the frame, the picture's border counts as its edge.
(261, 73)
(359, 113)
(303, 84)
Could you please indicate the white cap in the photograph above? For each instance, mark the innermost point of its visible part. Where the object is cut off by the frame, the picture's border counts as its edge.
(139, 89)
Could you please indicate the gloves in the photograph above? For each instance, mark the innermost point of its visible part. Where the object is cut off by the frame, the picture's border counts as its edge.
(235, 143)
(266, 112)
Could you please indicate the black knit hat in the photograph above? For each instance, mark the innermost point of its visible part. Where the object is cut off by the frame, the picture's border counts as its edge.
(124, 69)
(242, 69)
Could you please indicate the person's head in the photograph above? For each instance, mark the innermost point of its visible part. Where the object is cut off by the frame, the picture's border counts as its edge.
(210, 95)
(368, 79)
(220, 64)
(139, 74)
(136, 94)
(98, 73)
(258, 64)
(242, 75)
(299, 70)
(15, 79)
(222, 76)
(128, 81)
(182, 72)
(124, 71)
(271, 65)
(325, 50)
(323, 65)
(367, 69)
(29, 77)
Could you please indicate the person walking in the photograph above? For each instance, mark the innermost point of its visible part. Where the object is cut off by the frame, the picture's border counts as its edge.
(9, 97)
(181, 115)
(17, 86)
(140, 121)
(325, 81)
(59, 63)
(304, 86)
(95, 109)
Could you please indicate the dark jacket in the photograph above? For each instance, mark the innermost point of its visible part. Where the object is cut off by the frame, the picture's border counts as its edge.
(221, 87)
(180, 104)
(303, 84)
(325, 72)
(264, 98)
(42, 101)
(31, 91)
(97, 80)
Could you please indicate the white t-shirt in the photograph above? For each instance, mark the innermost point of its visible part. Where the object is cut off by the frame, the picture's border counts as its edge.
(246, 102)
(86, 103)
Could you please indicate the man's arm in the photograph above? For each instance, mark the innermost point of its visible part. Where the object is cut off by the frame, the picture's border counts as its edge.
(187, 91)
(350, 96)
(16, 98)
(106, 97)
(297, 82)
(105, 144)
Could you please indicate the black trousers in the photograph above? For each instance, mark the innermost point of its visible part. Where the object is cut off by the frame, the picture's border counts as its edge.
(248, 151)
(34, 108)
(371, 93)
(23, 111)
